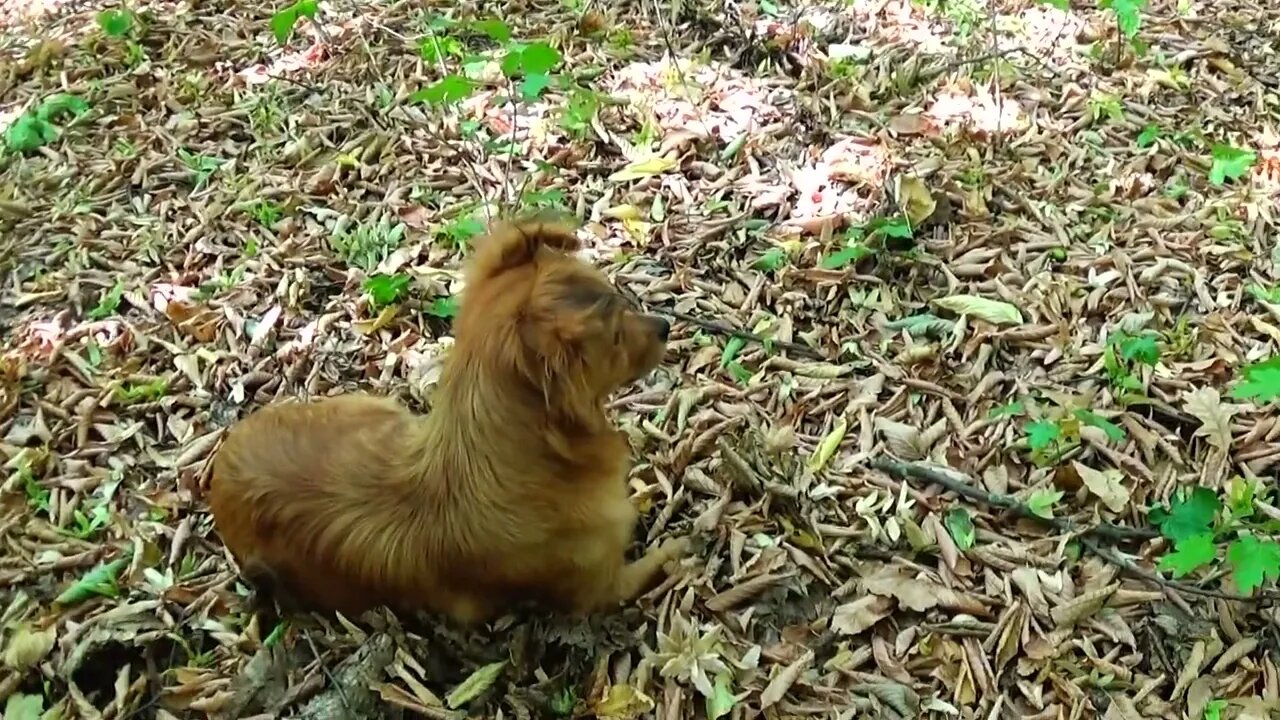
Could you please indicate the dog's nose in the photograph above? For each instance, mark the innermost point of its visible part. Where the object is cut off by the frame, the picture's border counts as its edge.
(664, 328)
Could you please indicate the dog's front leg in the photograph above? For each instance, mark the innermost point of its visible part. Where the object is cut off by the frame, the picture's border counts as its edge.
(637, 577)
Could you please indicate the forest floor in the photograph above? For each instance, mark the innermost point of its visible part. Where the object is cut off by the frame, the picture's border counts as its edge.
(963, 294)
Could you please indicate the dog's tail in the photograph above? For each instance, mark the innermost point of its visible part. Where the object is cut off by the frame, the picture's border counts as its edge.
(511, 243)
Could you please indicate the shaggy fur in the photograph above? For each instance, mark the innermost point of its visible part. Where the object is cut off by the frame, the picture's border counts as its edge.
(512, 488)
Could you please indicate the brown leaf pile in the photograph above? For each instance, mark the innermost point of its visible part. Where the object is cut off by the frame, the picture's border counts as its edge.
(197, 245)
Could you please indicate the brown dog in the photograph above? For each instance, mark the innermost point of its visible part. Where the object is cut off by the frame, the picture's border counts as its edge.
(512, 488)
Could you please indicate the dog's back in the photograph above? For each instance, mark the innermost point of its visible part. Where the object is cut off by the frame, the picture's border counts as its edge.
(293, 486)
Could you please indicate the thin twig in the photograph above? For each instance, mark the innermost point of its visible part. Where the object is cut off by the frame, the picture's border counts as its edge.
(726, 331)
(1089, 535)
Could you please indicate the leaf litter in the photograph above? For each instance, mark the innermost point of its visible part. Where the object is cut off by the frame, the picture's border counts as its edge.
(196, 221)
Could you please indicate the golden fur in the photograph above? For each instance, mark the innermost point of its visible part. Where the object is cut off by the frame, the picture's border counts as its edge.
(512, 488)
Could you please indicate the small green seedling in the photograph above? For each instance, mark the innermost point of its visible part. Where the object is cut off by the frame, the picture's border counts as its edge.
(385, 290)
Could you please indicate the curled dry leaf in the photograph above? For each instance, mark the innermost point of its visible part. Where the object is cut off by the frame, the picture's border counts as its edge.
(1215, 418)
(852, 618)
(1107, 485)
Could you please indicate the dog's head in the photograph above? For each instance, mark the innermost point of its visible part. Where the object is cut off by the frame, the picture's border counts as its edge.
(534, 307)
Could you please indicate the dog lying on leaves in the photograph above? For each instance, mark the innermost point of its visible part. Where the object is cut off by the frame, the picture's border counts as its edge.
(512, 488)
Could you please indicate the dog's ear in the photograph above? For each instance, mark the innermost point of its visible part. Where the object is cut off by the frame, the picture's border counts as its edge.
(514, 243)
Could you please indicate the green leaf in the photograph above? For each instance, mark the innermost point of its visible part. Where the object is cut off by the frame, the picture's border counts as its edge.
(1114, 432)
(731, 350)
(1128, 16)
(772, 259)
(494, 28)
(1139, 348)
(1042, 501)
(24, 707)
(434, 49)
(995, 312)
(1213, 710)
(1149, 135)
(536, 59)
(115, 23)
(462, 230)
(1253, 561)
(1260, 381)
(282, 23)
(1190, 513)
(1042, 434)
(109, 303)
(448, 90)
(1264, 294)
(739, 373)
(100, 581)
(386, 289)
(960, 526)
(445, 307)
(475, 685)
(539, 58)
(721, 700)
(28, 133)
(1230, 163)
(533, 84)
(895, 227)
(845, 255)
(1012, 409)
(1189, 555)
(923, 325)
(1063, 5)
(277, 634)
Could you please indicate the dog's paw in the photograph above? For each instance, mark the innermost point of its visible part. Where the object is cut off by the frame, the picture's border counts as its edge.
(675, 548)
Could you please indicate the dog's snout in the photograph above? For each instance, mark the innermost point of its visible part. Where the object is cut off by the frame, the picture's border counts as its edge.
(662, 327)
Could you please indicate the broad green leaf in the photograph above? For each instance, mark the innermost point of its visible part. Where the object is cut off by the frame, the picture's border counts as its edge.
(1114, 432)
(24, 707)
(282, 23)
(731, 350)
(445, 307)
(772, 259)
(277, 634)
(721, 700)
(1128, 15)
(1042, 501)
(57, 106)
(896, 226)
(1139, 348)
(1042, 434)
(1012, 409)
(1190, 555)
(1230, 163)
(533, 84)
(1148, 136)
(448, 90)
(845, 255)
(1213, 710)
(1253, 561)
(1260, 381)
(27, 133)
(99, 581)
(497, 30)
(960, 525)
(115, 23)
(109, 303)
(1190, 513)
(475, 685)
(434, 48)
(827, 448)
(995, 312)
(923, 325)
(539, 59)
(386, 289)
(1264, 294)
